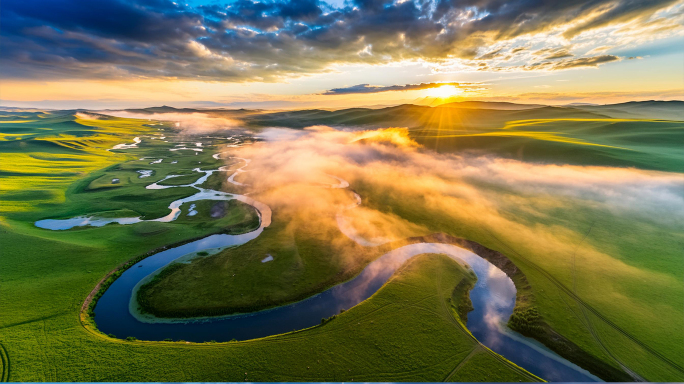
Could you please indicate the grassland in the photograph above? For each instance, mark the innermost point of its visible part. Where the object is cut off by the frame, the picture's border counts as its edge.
(645, 144)
(94, 192)
(596, 136)
(606, 281)
(306, 262)
(611, 284)
(405, 332)
(47, 275)
(625, 277)
(42, 153)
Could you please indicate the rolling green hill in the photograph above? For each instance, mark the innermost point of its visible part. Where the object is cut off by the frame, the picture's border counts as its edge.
(41, 153)
(665, 110)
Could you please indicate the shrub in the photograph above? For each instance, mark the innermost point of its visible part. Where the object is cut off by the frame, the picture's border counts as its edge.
(525, 321)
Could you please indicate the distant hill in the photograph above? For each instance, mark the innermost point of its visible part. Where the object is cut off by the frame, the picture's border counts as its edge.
(661, 110)
(457, 115)
(16, 109)
(218, 112)
(415, 116)
(556, 113)
(584, 135)
(580, 104)
(162, 109)
(491, 105)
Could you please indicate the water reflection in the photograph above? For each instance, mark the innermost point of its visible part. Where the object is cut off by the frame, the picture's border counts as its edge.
(493, 300)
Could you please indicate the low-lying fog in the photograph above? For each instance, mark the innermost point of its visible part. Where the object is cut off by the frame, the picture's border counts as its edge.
(543, 210)
(188, 123)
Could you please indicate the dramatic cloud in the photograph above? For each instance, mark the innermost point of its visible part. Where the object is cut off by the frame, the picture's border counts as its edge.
(550, 54)
(554, 61)
(366, 88)
(571, 63)
(245, 40)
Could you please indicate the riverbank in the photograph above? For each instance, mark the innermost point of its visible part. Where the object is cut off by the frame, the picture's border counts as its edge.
(526, 319)
(86, 314)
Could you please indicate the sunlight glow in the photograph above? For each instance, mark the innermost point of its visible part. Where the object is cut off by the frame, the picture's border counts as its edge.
(443, 91)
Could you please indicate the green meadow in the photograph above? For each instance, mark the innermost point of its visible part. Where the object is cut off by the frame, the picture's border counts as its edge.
(305, 262)
(609, 282)
(627, 270)
(43, 153)
(408, 331)
(645, 144)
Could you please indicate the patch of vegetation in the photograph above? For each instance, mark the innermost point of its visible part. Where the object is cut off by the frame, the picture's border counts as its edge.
(236, 281)
(49, 143)
(142, 297)
(217, 181)
(238, 217)
(460, 299)
(182, 180)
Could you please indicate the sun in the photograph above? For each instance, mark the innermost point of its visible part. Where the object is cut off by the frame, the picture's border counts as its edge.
(443, 92)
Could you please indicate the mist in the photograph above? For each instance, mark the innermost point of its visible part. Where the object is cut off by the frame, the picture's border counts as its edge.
(195, 123)
(388, 158)
(540, 210)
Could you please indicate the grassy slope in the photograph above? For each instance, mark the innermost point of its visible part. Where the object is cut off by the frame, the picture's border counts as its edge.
(630, 268)
(42, 153)
(401, 333)
(546, 134)
(646, 144)
(606, 269)
(306, 261)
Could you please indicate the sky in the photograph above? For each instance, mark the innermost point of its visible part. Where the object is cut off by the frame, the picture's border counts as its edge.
(343, 53)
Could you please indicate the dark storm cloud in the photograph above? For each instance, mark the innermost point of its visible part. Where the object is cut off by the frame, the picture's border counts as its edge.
(366, 88)
(245, 40)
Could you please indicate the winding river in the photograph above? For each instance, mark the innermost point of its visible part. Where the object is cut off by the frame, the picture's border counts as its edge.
(493, 296)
